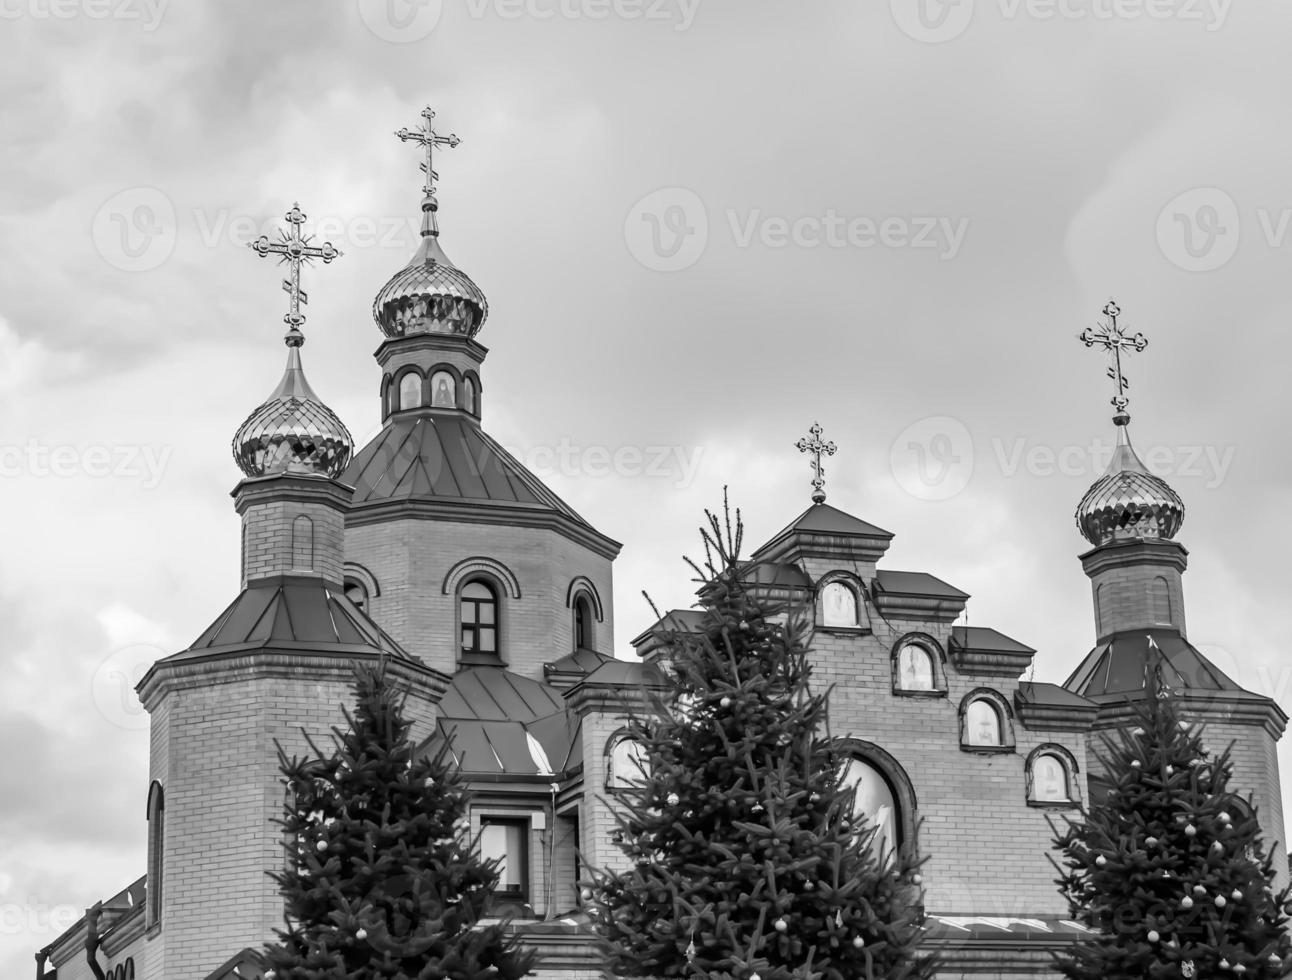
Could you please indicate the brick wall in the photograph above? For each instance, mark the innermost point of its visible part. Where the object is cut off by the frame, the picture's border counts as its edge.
(411, 558)
(289, 533)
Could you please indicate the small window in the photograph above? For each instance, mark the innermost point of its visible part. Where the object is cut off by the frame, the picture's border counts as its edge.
(469, 395)
(628, 763)
(1051, 777)
(507, 842)
(915, 670)
(443, 390)
(582, 624)
(838, 605)
(410, 391)
(479, 618)
(357, 593)
(982, 724)
(1159, 596)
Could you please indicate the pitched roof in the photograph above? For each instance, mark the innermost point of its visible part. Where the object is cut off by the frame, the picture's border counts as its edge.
(1119, 665)
(917, 583)
(287, 612)
(498, 723)
(446, 457)
(1039, 692)
(827, 520)
(984, 638)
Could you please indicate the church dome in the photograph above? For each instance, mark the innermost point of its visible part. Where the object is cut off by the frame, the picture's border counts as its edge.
(293, 431)
(430, 295)
(1128, 501)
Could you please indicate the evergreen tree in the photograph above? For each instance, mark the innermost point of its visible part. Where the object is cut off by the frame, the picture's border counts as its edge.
(748, 860)
(382, 878)
(1170, 872)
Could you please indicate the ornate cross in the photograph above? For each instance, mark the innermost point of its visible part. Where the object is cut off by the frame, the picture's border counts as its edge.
(295, 250)
(818, 449)
(1113, 338)
(429, 140)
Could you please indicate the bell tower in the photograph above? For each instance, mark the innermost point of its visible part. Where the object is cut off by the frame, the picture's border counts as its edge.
(1131, 517)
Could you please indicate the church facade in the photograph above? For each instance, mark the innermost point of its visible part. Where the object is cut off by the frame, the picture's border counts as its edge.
(491, 601)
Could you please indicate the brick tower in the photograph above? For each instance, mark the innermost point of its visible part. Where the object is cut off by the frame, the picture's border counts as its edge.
(278, 660)
(1136, 569)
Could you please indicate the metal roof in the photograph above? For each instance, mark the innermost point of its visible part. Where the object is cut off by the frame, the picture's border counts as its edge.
(1120, 665)
(917, 583)
(985, 638)
(489, 715)
(288, 611)
(446, 457)
(824, 519)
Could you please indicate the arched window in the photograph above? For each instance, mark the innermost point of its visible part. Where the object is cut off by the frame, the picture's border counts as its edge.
(838, 605)
(303, 543)
(356, 592)
(443, 390)
(626, 763)
(915, 668)
(983, 725)
(410, 391)
(875, 800)
(1051, 777)
(582, 624)
(469, 395)
(479, 618)
(156, 852)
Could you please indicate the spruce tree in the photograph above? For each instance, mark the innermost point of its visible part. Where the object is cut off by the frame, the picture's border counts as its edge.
(382, 878)
(748, 860)
(1170, 872)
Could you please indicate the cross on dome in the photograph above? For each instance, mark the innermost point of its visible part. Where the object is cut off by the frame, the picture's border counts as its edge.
(294, 250)
(1112, 337)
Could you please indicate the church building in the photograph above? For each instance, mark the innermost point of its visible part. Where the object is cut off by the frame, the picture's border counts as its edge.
(491, 601)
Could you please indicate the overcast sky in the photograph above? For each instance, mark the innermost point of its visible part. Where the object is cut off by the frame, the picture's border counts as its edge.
(701, 227)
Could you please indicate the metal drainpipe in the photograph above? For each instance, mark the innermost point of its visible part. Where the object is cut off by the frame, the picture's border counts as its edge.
(92, 939)
(551, 855)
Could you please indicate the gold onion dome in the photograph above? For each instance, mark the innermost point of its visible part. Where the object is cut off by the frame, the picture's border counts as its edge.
(1128, 501)
(430, 294)
(293, 431)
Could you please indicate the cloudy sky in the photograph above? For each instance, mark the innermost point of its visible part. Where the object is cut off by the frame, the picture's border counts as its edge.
(702, 225)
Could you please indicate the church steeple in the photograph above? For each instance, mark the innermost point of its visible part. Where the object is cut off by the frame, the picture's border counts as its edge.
(292, 448)
(1130, 516)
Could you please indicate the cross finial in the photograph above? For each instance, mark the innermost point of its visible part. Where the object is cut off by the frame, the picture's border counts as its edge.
(818, 449)
(295, 250)
(428, 139)
(1112, 337)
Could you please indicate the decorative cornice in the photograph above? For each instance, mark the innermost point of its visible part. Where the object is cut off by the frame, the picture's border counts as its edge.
(482, 512)
(414, 343)
(290, 486)
(898, 605)
(1135, 551)
(278, 662)
(1225, 707)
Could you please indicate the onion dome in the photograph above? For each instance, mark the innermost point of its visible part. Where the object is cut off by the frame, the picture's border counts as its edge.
(293, 431)
(1128, 501)
(430, 294)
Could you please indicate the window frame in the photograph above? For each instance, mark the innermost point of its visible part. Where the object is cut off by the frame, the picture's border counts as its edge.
(475, 653)
(613, 743)
(937, 662)
(855, 590)
(1068, 763)
(155, 884)
(1004, 716)
(523, 824)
